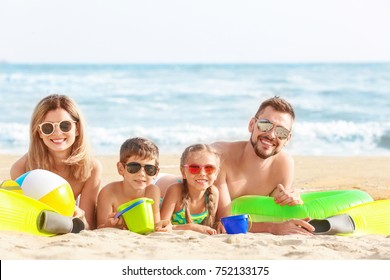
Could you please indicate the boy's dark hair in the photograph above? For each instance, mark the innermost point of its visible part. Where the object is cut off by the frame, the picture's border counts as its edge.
(139, 147)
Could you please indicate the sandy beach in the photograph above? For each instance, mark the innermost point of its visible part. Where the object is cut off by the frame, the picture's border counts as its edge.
(370, 174)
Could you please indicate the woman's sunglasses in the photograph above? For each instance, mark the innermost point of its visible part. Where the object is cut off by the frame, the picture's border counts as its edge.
(196, 168)
(265, 125)
(134, 167)
(47, 128)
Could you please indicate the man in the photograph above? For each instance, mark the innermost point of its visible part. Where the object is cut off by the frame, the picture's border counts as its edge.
(261, 167)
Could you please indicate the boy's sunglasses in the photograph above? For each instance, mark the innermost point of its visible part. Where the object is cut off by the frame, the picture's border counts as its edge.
(47, 128)
(196, 168)
(134, 167)
(265, 125)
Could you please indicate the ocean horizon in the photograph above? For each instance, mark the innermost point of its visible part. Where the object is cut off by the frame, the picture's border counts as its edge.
(342, 109)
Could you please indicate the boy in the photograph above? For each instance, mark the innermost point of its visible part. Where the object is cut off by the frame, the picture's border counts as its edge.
(138, 165)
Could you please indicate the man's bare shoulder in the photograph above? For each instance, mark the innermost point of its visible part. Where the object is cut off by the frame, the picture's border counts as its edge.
(283, 158)
(226, 149)
(230, 154)
(282, 165)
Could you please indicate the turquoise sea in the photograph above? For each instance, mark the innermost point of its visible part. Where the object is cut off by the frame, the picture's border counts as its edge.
(342, 109)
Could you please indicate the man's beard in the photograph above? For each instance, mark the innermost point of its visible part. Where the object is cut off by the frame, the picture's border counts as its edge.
(262, 154)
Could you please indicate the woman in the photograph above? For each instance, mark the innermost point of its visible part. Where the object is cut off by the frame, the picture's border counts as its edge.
(58, 143)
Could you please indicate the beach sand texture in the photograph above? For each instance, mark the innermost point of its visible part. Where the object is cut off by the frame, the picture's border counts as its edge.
(370, 174)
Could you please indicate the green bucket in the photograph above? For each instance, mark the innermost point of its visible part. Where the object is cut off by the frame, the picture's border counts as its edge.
(138, 215)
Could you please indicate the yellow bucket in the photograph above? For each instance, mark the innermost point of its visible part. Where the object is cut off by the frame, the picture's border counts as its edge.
(138, 215)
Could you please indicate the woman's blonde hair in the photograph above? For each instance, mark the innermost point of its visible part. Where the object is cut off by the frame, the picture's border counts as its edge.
(211, 204)
(79, 160)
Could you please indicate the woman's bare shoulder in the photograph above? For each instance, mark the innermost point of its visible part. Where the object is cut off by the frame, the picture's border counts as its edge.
(96, 164)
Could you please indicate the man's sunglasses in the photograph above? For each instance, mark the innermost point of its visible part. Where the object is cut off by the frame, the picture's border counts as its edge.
(196, 168)
(47, 128)
(265, 125)
(134, 167)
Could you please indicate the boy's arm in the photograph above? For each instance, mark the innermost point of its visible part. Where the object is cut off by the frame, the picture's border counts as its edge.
(105, 214)
(154, 193)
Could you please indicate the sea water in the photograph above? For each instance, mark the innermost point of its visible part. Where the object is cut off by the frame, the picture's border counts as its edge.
(341, 109)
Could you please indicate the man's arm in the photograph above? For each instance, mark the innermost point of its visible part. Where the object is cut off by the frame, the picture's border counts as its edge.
(284, 193)
(293, 226)
(284, 196)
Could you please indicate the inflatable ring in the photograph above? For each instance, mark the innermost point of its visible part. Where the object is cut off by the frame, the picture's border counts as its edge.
(317, 205)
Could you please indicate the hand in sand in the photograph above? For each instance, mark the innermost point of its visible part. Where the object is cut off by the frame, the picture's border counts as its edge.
(220, 228)
(113, 222)
(293, 226)
(163, 225)
(198, 228)
(80, 213)
(204, 229)
(284, 196)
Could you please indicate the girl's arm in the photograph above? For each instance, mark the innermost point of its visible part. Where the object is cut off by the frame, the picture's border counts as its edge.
(89, 194)
(195, 227)
(215, 192)
(172, 196)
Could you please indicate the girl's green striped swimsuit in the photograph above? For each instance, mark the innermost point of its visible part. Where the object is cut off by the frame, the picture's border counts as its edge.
(179, 218)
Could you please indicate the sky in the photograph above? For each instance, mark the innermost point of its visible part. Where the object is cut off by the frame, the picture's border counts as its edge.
(194, 31)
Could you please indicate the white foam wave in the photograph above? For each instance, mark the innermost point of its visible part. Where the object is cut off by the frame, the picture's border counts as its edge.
(339, 138)
(309, 138)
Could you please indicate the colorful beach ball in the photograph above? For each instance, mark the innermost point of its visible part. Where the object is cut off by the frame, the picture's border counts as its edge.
(49, 188)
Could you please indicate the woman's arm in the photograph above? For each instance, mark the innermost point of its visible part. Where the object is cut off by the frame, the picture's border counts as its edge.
(19, 167)
(89, 194)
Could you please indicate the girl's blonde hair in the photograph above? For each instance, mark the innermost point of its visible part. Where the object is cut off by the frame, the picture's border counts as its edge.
(79, 160)
(210, 201)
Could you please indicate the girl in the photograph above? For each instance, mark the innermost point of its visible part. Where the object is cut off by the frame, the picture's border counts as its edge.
(58, 143)
(192, 204)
